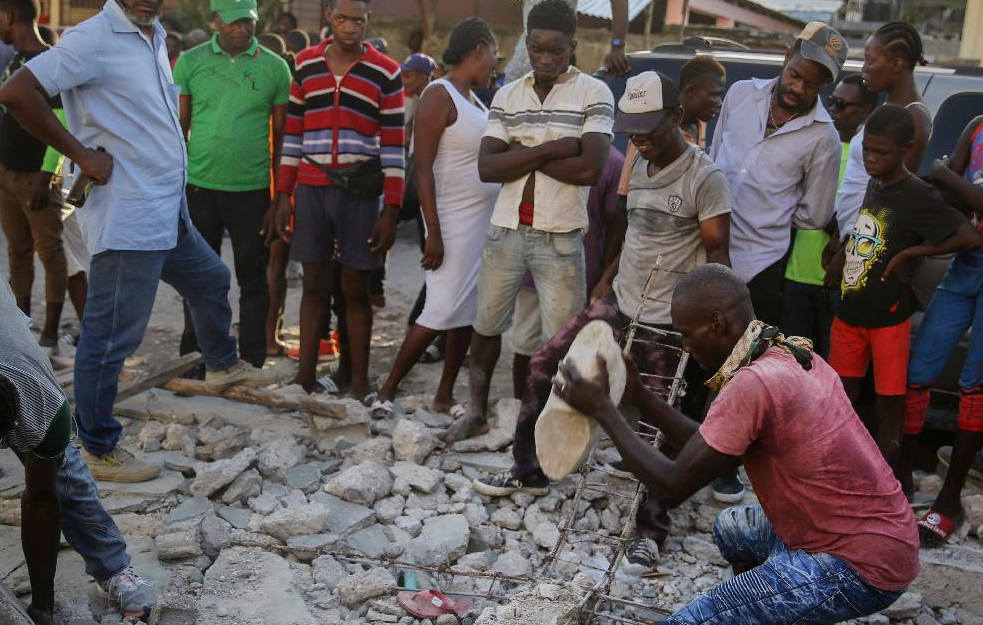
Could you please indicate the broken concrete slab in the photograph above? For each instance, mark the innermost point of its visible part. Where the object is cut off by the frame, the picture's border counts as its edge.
(951, 575)
(344, 517)
(165, 483)
(372, 541)
(251, 587)
(212, 476)
(193, 508)
(363, 484)
(486, 462)
(307, 519)
(355, 589)
(443, 540)
(12, 611)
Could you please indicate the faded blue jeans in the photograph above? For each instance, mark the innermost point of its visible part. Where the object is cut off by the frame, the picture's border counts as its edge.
(87, 526)
(556, 262)
(785, 585)
(122, 288)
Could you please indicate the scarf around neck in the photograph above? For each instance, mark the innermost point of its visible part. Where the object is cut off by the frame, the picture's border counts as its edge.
(757, 338)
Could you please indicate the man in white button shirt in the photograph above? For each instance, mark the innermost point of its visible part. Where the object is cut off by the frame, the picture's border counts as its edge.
(547, 139)
(780, 152)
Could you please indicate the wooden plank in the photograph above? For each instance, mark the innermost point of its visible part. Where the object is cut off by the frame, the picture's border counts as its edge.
(173, 369)
(262, 397)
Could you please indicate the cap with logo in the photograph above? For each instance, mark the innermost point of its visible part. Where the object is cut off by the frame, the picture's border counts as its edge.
(234, 10)
(644, 104)
(824, 45)
(419, 62)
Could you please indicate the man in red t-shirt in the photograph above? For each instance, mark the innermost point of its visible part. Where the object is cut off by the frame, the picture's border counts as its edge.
(834, 529)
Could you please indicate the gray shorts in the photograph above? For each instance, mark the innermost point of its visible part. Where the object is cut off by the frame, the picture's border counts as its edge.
(326, 217)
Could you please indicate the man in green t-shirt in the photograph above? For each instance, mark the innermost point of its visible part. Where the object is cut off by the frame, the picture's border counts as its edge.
(808, 302)
(231, 88)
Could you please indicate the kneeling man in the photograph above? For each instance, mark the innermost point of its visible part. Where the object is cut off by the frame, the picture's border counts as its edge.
(834, 537)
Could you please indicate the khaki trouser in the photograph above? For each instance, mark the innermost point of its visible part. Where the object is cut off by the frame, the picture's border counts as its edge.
(30, 231)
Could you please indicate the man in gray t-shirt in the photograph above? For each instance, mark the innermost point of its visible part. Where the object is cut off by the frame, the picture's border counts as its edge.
(679, 209)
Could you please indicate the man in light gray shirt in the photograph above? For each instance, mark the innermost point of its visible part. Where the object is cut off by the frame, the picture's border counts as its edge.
(778, 147)
(118, 93)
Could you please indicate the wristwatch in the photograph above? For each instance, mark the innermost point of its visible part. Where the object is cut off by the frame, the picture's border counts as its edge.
(617, 43)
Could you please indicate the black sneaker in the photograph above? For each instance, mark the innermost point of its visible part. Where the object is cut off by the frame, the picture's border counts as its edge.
(505, 484)
(728, 488)
(641, 557)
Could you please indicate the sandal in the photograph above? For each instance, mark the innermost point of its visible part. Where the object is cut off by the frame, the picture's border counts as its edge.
(457, 411)
(328, 384)
(430, 604)
(431, 354)
(938, 528)
(381, 409)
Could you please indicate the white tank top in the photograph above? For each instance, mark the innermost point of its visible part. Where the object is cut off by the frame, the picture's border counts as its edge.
(455, 167)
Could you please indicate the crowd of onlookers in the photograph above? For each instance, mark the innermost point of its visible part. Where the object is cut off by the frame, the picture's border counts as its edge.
(802, 212)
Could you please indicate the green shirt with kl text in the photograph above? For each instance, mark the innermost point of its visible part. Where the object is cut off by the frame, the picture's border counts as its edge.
(232, 99)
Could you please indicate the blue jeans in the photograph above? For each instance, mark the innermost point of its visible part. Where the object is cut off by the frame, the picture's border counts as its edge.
(87, 526)
(785, 585)
(808, 310)
(956, 306)
(122, 288)
(556, 262)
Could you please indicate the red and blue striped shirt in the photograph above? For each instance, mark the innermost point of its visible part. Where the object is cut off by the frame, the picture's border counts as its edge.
(338, 124)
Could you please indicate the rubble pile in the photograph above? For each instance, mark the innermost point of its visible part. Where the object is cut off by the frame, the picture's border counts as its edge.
(261, 517)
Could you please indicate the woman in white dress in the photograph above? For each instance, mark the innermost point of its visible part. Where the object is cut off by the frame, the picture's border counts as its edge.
(456, 206)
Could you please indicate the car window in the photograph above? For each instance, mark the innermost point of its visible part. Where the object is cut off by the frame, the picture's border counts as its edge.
(951, 118)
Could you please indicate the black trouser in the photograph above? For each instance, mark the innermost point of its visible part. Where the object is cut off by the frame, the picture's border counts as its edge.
(766, 292)
(241, 213)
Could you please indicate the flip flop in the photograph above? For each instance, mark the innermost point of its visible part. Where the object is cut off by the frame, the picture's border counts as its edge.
(430, 604)
(457, 411)
(938, 528)
(381, 409)
(431, 354)
(328, 384)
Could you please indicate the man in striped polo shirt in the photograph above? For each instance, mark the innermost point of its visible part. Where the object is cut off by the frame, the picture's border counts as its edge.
(59, 494)
(547, 140)
(344, 124)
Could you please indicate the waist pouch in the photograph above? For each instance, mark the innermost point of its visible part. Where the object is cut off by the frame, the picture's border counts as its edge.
(361, 181)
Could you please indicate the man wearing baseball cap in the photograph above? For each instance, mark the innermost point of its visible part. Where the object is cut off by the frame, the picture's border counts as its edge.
(679, 209)
(778, 147)
(231, 87)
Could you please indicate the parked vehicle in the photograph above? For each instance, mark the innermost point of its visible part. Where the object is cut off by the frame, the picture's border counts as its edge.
(953, 94)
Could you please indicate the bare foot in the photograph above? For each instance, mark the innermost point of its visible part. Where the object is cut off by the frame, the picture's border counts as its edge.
(442, 405)
(465, 427)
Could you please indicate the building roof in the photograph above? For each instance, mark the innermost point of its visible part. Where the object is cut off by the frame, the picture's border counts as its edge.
(602, 9)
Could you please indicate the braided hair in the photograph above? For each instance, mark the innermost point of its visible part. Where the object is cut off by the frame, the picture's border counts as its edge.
(9, 405)
(902, 39)
(467, 35)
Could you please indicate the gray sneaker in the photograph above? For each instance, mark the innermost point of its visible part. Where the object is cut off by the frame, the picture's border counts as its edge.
(241, 373)
(134, 596)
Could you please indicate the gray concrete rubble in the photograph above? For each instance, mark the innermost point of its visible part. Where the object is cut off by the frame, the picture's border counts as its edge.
(278, 518)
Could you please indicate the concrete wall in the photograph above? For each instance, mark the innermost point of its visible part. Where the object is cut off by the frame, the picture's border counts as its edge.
(972, 41)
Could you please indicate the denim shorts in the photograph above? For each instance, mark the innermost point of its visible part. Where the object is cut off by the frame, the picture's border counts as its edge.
(785, 585)
(556, 262)
(326, 217)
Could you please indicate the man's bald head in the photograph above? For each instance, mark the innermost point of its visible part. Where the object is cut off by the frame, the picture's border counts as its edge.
(712, 287)
(711, 308)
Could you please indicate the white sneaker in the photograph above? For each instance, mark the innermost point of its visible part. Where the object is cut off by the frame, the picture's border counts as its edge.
(241, 373)
(134, 596)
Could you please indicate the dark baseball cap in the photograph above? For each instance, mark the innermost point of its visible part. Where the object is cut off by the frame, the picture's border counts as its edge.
(822, 44)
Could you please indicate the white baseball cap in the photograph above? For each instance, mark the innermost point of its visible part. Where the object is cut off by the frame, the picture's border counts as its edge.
(643, 105)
